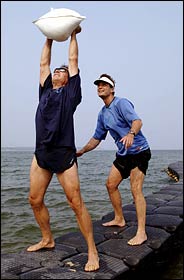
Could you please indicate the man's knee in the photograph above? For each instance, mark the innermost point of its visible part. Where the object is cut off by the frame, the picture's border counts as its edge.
(111, 187)
(76, 206)
(35, 202)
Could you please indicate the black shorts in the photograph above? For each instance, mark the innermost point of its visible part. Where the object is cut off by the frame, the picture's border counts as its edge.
(126, 163)
(56, 160)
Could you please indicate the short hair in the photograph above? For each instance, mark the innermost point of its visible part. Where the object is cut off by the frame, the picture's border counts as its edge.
(109, 77)
(64, 66)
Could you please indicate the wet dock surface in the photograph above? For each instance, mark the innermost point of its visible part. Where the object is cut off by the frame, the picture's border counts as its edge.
(118, 260)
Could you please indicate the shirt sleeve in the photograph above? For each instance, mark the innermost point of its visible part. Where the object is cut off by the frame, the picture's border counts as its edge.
(100, 131)
(47, 84)
(74, 89)
(126, 110)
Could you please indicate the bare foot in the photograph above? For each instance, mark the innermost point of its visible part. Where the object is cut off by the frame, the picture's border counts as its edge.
(114, 223)
(93, 263)
(138, 239)
(41, 245)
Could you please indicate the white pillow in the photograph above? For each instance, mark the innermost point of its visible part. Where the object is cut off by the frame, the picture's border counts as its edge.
(58, 24)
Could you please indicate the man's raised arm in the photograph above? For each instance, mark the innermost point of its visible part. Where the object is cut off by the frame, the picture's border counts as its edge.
(45, 61)
(73, 53)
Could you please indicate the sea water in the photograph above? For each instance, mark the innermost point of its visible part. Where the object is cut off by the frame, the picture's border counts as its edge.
(18, 226)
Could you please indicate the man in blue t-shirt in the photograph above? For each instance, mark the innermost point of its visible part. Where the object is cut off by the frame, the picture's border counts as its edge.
(55, 152)
(133, 153)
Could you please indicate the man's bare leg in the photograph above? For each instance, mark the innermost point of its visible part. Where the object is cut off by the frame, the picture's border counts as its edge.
(39, 181)
(113, 181)
(70, 182)
(85, 224)
(136, 180)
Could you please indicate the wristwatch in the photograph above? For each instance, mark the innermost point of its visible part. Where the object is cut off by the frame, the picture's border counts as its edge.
(131, 132)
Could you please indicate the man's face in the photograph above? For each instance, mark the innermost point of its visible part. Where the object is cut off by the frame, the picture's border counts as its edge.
(60, 74)
(104, 90)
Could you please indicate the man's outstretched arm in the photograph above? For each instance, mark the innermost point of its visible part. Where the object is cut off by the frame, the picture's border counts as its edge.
(91, 145)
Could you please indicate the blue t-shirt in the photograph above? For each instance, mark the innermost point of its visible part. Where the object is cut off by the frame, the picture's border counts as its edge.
(117, 118)
(54, 115)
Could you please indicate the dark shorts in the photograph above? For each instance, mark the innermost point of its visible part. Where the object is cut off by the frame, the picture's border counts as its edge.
(126, 163)
(56, 160)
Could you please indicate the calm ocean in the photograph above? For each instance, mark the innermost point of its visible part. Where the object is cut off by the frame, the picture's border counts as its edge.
(18, 226)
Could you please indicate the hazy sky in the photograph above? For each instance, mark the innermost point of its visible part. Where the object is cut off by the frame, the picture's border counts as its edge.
(138, 43)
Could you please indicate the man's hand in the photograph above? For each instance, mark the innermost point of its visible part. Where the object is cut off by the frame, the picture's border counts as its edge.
(78, 29)
(127, 140)
(79, 153)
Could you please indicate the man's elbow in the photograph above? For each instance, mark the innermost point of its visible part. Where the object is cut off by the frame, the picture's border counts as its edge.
(140, 123)
(73, 60)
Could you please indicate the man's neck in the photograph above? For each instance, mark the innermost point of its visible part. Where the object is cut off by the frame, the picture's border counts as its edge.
(108, 100)
(58, 84)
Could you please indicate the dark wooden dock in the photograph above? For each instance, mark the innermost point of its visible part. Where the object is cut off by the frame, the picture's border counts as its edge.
(118, 260)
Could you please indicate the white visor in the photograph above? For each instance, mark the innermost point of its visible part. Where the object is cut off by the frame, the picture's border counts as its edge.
(104, 79)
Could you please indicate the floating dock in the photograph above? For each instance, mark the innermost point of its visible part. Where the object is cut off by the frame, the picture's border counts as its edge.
(118, 260)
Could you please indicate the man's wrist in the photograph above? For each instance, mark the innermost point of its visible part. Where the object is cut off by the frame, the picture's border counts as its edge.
(131, 132)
